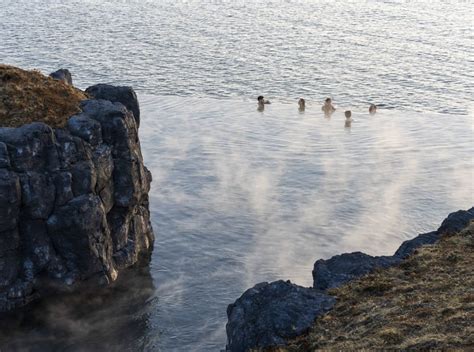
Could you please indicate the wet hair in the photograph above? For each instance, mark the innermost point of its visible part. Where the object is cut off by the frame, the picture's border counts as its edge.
(301, 101)
(260, 97)
(372, 108)
(328, 100)
(347, 113)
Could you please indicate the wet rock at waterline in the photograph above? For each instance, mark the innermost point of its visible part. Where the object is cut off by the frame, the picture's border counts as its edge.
(342, 268)
(73, 201)
(270, 313)
(345, 267)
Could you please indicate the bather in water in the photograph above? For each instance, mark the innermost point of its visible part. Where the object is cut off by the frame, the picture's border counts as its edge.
(301, 105)
(372, 109)
(261, 103)
(327, 107)
(348, 115)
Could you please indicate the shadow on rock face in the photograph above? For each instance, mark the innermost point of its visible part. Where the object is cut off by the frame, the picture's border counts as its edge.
(113, 319)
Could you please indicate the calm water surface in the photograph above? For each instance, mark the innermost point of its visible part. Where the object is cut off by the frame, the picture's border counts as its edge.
(414, 55)
(241, 196)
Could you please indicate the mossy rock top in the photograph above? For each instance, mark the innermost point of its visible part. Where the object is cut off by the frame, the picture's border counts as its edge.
(30, 96)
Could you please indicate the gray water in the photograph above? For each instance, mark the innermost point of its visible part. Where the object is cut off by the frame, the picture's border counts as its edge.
(241, 196)
(405, 55)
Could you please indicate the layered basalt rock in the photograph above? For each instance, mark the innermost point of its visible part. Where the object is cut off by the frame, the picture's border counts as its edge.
(73, 202)
(270, 314)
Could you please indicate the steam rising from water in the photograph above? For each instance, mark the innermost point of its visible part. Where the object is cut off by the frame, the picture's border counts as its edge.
(242, 197)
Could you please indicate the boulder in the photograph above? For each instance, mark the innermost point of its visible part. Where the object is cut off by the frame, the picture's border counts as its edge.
(62, 75)
(342, 268)
(456, 221)
(124, 95)
(409, 246)
(270, 313)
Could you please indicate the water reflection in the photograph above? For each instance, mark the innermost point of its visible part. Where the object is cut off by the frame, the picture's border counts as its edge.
(242, 197)
(114, 319)
(239, 197)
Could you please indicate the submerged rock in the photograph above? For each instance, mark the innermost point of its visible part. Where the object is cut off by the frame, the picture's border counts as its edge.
(270, 313)
(73, 201)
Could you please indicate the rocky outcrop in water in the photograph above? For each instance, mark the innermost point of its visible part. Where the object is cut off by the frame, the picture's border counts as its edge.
(73, 201)
(269, 314)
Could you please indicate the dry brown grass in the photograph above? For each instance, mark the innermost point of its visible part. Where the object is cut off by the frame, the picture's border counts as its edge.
(426, 303)
(28, 96)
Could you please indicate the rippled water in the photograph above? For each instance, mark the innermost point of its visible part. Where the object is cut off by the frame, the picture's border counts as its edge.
(241, 196)
(405, 55)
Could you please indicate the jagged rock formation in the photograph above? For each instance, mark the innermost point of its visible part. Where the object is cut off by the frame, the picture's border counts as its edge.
(269, 314)
(73, 202)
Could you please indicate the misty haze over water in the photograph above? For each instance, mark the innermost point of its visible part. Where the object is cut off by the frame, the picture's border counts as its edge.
(240, 196)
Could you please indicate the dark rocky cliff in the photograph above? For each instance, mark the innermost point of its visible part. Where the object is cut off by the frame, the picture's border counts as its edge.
(73, 201)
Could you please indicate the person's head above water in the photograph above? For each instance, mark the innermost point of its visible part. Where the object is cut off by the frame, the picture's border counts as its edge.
(261, 100)
(348, 114)
(302, 103)
(327, 107)
(372, 109)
